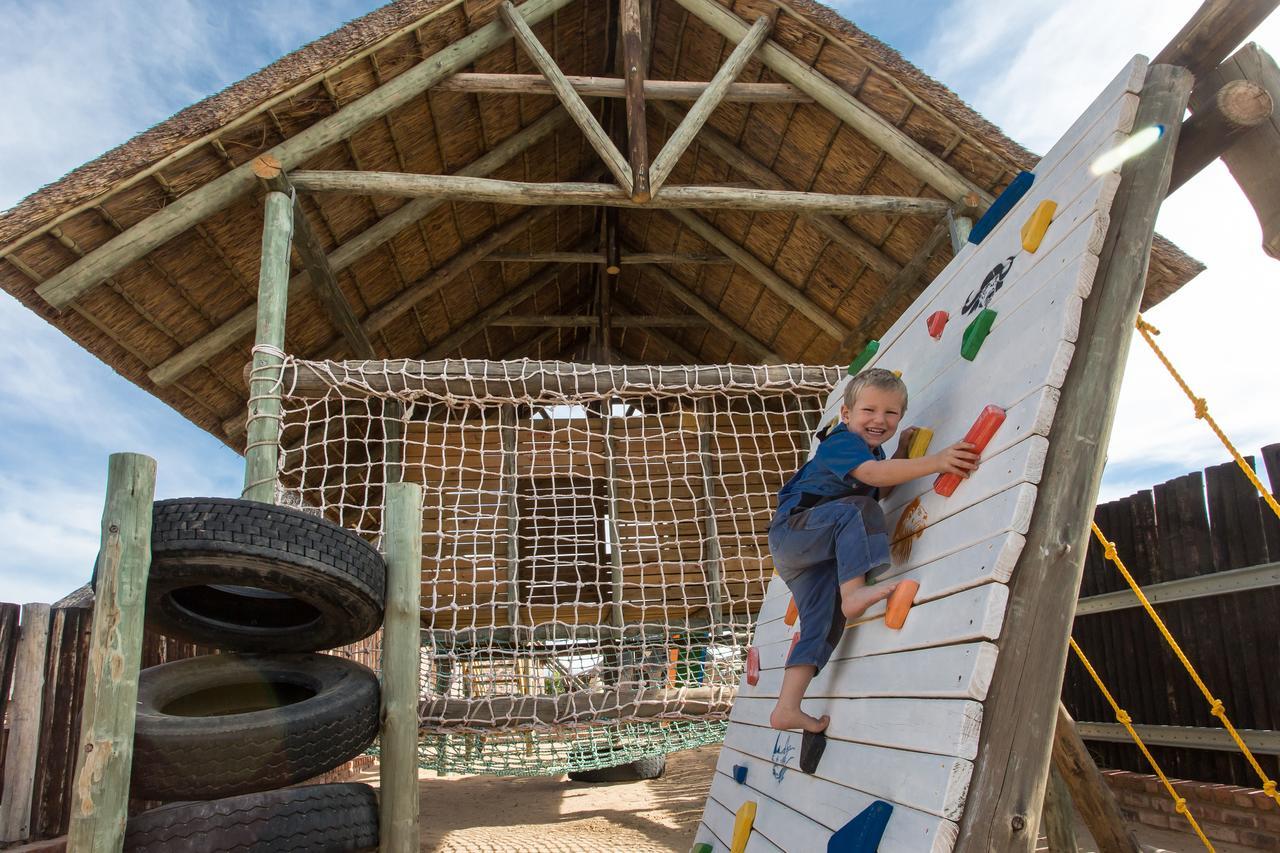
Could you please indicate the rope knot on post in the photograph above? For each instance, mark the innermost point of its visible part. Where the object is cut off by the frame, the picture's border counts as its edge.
(1147, 327)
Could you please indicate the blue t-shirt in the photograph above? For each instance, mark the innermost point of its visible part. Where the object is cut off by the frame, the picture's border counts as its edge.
(830, 472)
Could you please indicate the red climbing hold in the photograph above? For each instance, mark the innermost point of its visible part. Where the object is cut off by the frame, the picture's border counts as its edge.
(753, 665)
(978, 435)
(936, 323)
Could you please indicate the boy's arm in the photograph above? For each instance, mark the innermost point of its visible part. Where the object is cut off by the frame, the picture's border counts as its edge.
(958, 459)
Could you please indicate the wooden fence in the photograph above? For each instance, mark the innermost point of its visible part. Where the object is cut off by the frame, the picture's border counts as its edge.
(1198, 524)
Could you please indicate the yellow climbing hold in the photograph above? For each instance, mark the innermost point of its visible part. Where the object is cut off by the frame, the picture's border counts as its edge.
(1038, 223)
(742, 826)
(920, 443)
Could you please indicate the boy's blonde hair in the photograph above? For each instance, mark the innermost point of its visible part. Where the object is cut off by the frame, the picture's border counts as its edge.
(875, 377)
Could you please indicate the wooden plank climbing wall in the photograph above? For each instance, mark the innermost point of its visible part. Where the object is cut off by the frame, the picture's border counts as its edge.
(906, 705)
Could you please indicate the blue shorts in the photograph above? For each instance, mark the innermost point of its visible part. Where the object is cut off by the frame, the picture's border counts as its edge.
(816, 550)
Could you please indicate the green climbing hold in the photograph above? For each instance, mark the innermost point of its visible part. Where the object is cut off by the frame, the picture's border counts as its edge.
(701, 847)
(976, 333)
(863, 357)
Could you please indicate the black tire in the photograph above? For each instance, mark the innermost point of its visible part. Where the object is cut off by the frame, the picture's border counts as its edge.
(255, 577)
(311, 819)
(222, 725)
(649, 767)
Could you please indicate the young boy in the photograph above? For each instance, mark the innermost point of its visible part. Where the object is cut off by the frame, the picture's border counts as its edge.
(829, 530)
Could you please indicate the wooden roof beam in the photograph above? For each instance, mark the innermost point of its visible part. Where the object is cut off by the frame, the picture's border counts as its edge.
(761, 175)
(573, 104)
(627, 259)
(491, 191)
(197, 205)
(672, 346)
(323, 280)
(473, 326)
(1210, 35)
(919, 161)
(713, 316)
(670, 321)
(616, 87)
(241, 324)
(710, 98)
(633, 70)
(758, 270)
(1231, 111)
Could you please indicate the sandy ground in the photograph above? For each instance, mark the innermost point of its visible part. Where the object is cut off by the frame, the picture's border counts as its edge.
(483, 813)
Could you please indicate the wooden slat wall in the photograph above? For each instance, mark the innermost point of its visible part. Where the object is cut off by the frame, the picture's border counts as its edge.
(1194, 524)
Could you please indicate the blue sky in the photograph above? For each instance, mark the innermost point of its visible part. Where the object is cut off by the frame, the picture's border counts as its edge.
(79, 78)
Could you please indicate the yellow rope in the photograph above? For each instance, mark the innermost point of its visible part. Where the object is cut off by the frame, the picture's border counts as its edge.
(1179, 803)
(1215, 705)
(1148, 333)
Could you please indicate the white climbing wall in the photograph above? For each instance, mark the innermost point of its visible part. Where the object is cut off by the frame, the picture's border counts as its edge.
(906, 706)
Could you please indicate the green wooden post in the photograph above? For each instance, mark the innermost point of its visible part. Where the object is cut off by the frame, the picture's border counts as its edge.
(401, 631)
(100, 796)
(263, 445)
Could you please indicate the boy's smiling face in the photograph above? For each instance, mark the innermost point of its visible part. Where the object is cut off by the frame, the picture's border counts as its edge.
(874, 416)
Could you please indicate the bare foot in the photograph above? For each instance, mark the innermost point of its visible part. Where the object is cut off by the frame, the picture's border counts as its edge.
(854, 604)
(788, 718)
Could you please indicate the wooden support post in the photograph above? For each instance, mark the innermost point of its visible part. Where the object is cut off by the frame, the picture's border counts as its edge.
(1235, 108)
(959, 228)
(711, 561)
(25, 710)
(920, 162)
(401, 649)
(591, 129)
(827, 324)
(1056, 814)
(761, 175)
(1020, 712)
(713, 316)
(233, 330)
(1215, 29)
(707, 102)
(616, 87)
(1092, 797)
(633, 67)
(510, 481)
(263, 444)
(100, 795)
(324, 283)
(199, 204)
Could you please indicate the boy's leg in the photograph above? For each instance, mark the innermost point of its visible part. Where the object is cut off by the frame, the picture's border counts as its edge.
(856, 596)
(787, 713)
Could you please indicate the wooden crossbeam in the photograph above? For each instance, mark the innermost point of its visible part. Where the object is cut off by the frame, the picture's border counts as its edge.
(527, 289)
(324, 282)
(918, 160)
(764, 177)
(199, 204)
(710, 98)
(672, 346)
(1215, 29)
(633, 71)
(232, 331)
(629, 259)
(671, 321)
(573, 104)
(713, 316)
(616, 87)
(758, 270)
(1237, 107)
(491, 191)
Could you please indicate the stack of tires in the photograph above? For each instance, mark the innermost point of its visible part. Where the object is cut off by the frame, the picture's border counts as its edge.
(219, 737)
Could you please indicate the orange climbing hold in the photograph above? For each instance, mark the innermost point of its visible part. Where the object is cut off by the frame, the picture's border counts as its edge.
(900, 601)
(793, 613)
(978, 435)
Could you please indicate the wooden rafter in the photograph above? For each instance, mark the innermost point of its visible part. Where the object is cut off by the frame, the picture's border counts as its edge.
(919, 161)
(626, 259)
(573, 103)
(324, 282)
(241, 324)
(473, 326)
(633, 71)
(199, 204)
(669, 321)
(763, 274)
(1215, 29)
(710, 98)
(761, 175)
(616, 87)
(493, 191)
(713, 316)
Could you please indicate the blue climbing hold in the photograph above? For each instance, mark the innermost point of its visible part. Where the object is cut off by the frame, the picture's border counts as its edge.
(1001, 206)
(862, 834)
(739, 773)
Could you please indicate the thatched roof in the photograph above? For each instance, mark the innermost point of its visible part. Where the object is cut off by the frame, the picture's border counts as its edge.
(158, 306)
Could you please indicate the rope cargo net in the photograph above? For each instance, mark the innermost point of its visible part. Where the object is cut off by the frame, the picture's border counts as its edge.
(594, 538)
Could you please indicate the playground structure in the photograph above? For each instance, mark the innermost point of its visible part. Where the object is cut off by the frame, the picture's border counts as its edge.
(592, 534)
